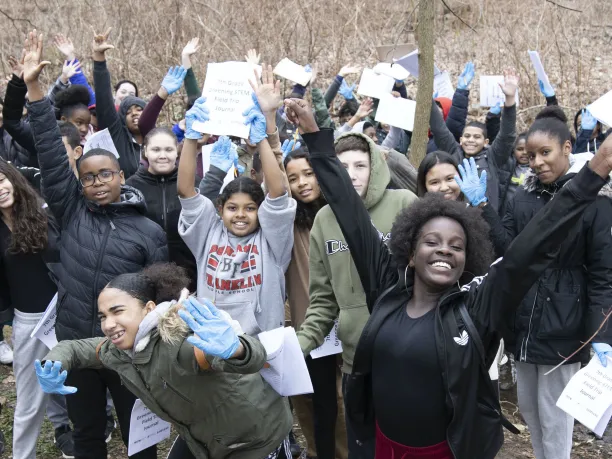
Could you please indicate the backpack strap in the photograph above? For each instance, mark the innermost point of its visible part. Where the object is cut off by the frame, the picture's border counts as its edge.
(471, 328)
(98, 347)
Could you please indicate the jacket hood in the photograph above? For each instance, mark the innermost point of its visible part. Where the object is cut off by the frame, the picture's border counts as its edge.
(379, 171)
(446, 104)
(128, 102)
(131, 198)
(577, 162)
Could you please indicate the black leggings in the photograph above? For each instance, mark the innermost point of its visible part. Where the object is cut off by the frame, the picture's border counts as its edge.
(180, 450)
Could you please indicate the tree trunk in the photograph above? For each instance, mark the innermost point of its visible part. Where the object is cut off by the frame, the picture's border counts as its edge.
(425, 40)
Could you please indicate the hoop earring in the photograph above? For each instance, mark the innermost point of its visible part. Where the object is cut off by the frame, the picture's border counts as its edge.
(406, 277)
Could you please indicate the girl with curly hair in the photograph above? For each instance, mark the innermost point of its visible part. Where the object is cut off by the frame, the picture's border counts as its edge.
(27, 244)
(420, 384)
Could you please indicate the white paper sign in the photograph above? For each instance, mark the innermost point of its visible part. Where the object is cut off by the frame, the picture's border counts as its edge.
(601, 109)
(588, 396)
(375, 85)
(332, 345)
(411, 63)
(396, 111)
(228, 95)
(292, 71)
(490, 91)
(101, 139)
(45, 328)
(287, 372)
(146, 428)
(538, 67)
(395, 71)
(443, 85)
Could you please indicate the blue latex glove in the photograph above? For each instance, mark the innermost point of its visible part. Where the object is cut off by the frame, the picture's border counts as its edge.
(288, 146)
(466, 77)
(308, 68)
(212, 333)
(587, 121)
(496, 110)
(239, 167)
(602, 350)
(173, 80)
(223, 153)
(51, 380)
(199, 112)
(346, 91)
(257, 120)
(473, 187)
(546, 89)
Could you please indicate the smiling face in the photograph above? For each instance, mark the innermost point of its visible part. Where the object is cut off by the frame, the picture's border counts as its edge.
(239, 214)
(357, 164)
(441, 179)
(161, 152)
(548, 158)
(101, 193)
(520, 152)
(439, 256)
(120, 315)
(302, 180)
(7, 193)
(126, 89)
(80, 117)
(132, 117)
(473, 140)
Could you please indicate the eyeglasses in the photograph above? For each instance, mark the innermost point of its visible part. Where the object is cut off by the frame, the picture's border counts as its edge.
(103, 177)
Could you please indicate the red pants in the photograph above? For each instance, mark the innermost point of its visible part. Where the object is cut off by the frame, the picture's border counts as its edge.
(388, 449)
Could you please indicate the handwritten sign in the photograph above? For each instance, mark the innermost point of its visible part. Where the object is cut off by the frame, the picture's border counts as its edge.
(101, 139)
(228, 95)
(146, 428)
(490, 91)
(292, 71)
(588, 396)
(45, 328)
(396, 111)
(443, 86)
(374, 84)
(332, 345)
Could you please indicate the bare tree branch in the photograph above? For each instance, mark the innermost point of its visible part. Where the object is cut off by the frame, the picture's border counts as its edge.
(457, 16)
(13, 20)
(564, 7)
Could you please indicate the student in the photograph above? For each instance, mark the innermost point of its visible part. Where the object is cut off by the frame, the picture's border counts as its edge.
(28, 240)
(591, 133)
(157, 183)
(242, 252)
(71, 106)
(335, 292)
(519, 167)
(185, 362)
(454, 332)
(474, 143)
(123, 89)
(104, 232)
(437, 174)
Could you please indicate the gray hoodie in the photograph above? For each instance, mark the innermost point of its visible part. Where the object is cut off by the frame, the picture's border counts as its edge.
(244, 276)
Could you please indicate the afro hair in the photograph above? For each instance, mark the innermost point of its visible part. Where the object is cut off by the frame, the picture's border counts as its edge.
(408, 223)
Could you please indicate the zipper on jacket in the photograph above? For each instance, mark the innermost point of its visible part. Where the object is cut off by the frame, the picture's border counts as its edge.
(526, 339)
(95, 282)
(164, 210)
(141, 377)
(176, 392)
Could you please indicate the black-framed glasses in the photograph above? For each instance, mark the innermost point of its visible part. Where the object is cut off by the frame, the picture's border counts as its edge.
(103, 177)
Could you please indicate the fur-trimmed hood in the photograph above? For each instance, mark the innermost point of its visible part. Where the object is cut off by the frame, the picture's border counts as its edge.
(577, 162)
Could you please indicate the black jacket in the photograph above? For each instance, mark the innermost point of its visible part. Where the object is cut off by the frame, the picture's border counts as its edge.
(15, 126)
(163, 207)
(475, 429)
(97, 243)
(457, 114)
(564, 307)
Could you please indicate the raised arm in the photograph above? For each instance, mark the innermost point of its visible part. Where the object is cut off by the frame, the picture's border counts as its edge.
(333, 89)
(461, 99)
(587, 125)
(191, 83)
(502, 147)
(12, 113)
(442, 136)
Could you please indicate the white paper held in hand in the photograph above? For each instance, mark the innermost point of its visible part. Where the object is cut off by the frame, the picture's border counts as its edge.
(601, 109)
(396, 111)
(375, 85)
(443, 85)
(228, 95)
(490, 91)
(45, 328)
(146, 428)
(411, 63)
(395, 71)
(292, 71)
(101, 139)
(538, 67)
(588, 396)
(332, 345)
(287, 372)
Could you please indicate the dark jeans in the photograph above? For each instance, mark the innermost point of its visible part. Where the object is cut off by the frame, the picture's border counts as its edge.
(357, 450)
(324, 404)
(87, 411)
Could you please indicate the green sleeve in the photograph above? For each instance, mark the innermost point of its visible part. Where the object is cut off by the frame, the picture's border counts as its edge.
(191, 85)
(320, 109)
(76, 354)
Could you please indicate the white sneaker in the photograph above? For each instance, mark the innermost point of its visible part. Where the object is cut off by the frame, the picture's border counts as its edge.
(6, 353)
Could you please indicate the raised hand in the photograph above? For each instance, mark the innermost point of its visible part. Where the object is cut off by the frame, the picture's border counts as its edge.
(192, 47)
(223, 154)
(173, 80)
(212, 333)
(51, 380)
(299, 113)
(69, 70)
(349, 70)
(101, 44)
(466, 77)
(17, 65)
(254, 117)
(511, 81)
(267, 91)
(65, 46)
(546, 89)
(602, 350)
(473, 187)
(32, 66)
(252, 57)
(288, 146)
(346, 91)
(496, 109)
(587, 121)
(314, 73)
(365, 109)
(199, 112)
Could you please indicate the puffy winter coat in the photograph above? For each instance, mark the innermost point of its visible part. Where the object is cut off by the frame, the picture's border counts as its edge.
(97, 242)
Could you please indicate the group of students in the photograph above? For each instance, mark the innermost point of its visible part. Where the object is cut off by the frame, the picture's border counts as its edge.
(165, 276)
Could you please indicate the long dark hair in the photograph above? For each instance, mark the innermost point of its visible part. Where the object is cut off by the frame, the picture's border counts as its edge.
(305, 212)
(28, 218)
(429, 162)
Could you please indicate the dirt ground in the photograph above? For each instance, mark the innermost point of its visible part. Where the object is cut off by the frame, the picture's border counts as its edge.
(586, 445)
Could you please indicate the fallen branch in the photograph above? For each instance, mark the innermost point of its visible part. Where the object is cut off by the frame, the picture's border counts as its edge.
(582, 347)
(564, 7)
